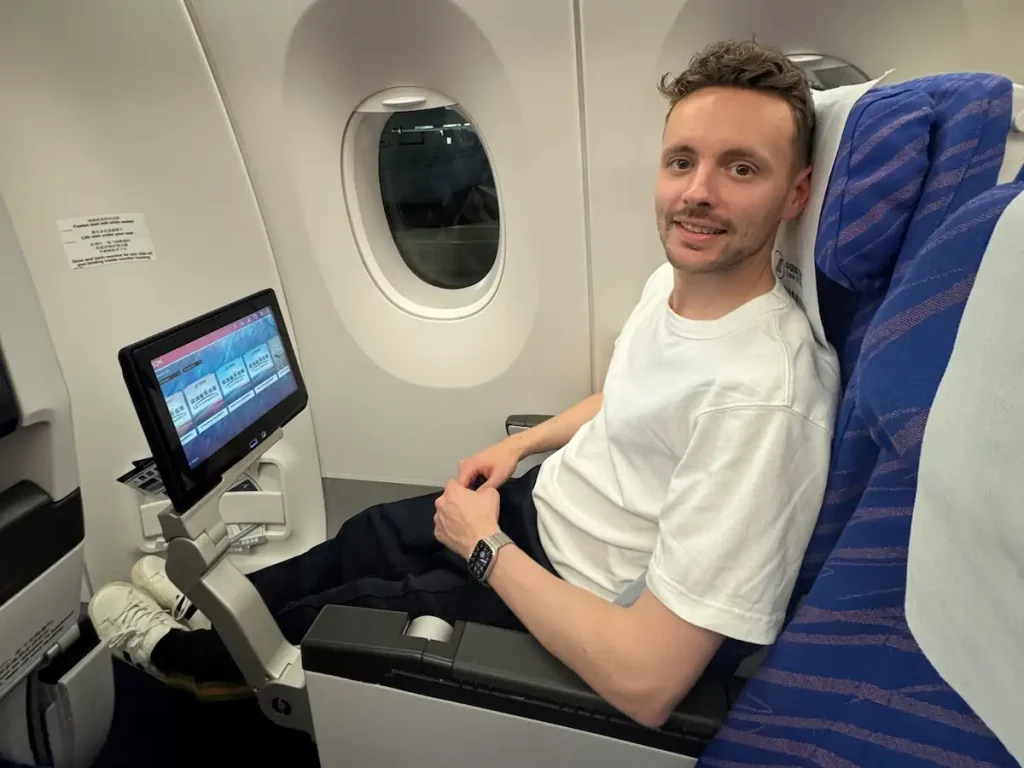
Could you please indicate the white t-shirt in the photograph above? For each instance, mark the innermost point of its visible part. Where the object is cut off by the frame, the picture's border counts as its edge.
(706, 463)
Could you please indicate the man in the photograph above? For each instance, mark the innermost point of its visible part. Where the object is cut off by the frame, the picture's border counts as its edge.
(703, 460)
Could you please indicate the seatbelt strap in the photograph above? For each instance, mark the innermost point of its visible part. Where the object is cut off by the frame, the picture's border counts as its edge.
(633, 590)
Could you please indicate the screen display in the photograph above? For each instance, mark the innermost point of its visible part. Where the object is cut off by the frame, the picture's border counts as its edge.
(219, 384)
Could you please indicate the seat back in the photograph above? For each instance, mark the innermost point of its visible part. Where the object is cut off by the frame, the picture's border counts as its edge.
(846, 684)
(41, 522)
(912, 153)
(964, 575)
(55, 705)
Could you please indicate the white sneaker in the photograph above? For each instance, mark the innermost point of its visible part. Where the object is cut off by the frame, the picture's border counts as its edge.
(131, 623)
(150, 575)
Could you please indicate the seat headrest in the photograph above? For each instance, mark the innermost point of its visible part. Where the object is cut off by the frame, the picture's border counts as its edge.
(875, 186)
(911, 153)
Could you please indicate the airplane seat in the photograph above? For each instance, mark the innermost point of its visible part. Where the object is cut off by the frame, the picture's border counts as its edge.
(967, 113)
(912, 153)
(56, 680)
(909, 153)
(964, 578)
(846, 683)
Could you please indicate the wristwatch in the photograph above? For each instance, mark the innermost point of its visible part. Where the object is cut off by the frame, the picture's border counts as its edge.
(482, 560)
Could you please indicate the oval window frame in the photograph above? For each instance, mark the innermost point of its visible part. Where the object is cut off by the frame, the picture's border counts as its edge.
(364, 204)
(811, 62)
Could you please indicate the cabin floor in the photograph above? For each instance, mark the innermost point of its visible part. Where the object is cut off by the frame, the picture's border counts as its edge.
(160, 727)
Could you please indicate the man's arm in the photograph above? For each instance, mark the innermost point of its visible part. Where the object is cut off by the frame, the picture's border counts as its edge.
(554, 433)
(498, 462)
(642, 660)
(738, 515)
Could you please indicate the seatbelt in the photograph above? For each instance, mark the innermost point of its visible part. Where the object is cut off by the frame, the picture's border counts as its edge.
(633, 590)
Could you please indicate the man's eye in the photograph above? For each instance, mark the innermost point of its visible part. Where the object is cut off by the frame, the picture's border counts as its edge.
(681, 163)
(744, 170)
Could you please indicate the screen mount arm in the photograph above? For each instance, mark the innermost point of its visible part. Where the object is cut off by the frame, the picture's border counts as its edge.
(197, 542)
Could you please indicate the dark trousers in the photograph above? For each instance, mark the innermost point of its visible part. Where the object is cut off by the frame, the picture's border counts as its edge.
(385, 557)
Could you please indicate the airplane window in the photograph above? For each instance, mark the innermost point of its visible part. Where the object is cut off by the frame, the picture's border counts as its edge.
(827, 72)
(833, 77)
(439, 196)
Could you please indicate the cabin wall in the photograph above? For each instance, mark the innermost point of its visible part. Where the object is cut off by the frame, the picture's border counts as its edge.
(401, 389)
(110, 108)
(223, 122)
(627, 47)
(994, 29)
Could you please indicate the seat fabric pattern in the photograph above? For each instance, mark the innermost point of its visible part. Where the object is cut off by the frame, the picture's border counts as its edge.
(869, 235)
(910, 153)
(846, 684)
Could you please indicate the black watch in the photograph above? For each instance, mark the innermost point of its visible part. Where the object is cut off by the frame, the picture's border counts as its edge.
(482, 560)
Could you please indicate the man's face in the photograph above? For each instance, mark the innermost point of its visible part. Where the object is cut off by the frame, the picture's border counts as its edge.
(726, 178)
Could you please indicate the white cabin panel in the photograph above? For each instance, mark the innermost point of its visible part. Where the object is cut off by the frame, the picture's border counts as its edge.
(462, 120)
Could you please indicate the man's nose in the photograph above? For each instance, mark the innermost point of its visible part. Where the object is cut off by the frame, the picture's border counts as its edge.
(699, 187)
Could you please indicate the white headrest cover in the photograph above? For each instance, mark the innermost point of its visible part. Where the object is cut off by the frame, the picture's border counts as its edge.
(793, 258)
(965, 573)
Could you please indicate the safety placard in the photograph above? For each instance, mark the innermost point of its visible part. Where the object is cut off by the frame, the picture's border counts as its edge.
(118, 238)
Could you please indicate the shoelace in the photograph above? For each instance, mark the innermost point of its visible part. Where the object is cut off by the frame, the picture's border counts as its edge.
(140, 619)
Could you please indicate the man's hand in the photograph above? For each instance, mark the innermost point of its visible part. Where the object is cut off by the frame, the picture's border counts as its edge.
(495, 464)
(464, 517)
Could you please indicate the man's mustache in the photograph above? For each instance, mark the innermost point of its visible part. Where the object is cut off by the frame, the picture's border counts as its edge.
(695, 216)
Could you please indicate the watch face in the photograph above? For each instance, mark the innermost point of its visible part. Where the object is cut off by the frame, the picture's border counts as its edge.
(480, 560)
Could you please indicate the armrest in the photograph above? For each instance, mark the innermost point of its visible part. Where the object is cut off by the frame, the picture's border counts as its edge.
(523, 421)
(497, 669)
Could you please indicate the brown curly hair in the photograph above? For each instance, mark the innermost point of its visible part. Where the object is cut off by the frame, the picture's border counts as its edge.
(753, 66)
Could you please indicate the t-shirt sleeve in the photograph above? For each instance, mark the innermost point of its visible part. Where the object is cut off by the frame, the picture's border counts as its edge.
(739, 513)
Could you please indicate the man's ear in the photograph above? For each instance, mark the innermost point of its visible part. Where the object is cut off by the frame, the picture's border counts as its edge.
(799, 194)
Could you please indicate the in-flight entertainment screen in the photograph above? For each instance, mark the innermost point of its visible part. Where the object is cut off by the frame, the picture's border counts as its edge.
(223, 382)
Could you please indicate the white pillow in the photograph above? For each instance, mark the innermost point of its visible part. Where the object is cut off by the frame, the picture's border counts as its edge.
(793, 258)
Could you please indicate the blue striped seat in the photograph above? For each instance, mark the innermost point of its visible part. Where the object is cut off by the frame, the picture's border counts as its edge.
(882, 206)
(910, 154)
(846, 684)
(966, 121)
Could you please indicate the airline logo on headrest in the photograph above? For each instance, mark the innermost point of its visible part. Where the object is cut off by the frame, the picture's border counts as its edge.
(791, 277)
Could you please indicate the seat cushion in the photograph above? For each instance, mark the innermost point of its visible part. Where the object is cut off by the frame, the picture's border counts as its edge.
(846, 684)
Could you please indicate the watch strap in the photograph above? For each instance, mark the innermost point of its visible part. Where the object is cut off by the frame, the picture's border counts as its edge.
(495, 541)
(498, 540)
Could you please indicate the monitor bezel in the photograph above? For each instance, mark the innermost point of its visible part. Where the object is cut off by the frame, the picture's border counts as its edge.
(186, 485)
